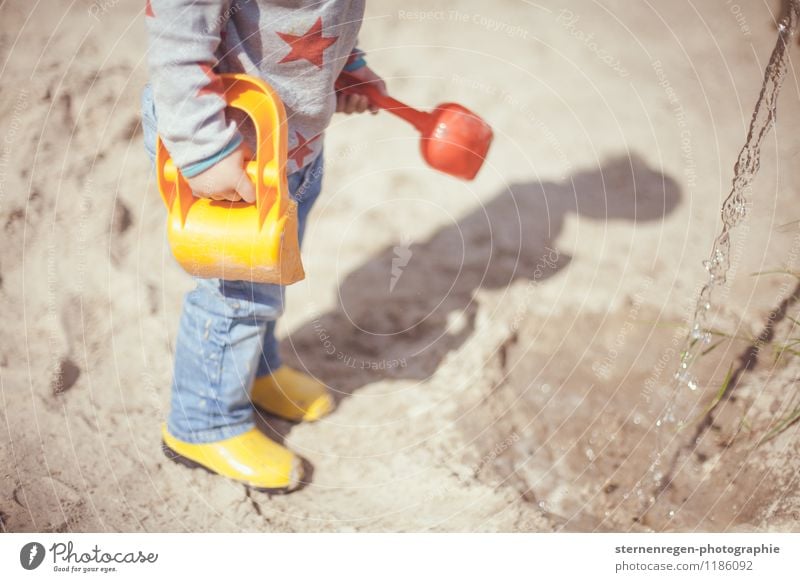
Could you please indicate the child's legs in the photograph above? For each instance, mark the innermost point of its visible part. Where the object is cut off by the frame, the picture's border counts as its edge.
(305, 186)
(226, 332)
(226, 338)
(216, 353)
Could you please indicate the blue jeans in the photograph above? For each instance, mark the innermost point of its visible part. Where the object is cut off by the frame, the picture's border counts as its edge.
(226, 336)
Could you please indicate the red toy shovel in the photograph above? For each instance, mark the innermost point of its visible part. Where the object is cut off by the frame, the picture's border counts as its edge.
(454, 140)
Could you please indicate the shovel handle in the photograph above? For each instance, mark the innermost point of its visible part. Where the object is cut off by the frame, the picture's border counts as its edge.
(348, 83)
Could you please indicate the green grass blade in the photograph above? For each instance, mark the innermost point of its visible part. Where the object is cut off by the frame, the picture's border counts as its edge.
(717, 398)
(793, 417)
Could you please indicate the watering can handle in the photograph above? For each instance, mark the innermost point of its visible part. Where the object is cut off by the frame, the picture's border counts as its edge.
(268, 171)
(348, 83)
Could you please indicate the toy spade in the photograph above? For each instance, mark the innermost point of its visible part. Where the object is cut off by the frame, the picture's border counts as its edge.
(454, 139)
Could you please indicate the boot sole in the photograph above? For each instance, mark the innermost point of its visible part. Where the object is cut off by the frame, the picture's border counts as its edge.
(176, 457)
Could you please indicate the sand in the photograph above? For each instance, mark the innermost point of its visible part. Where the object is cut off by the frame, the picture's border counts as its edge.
(510, 378)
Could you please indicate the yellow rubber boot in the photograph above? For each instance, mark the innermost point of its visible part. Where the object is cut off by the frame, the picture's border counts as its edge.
(292, 395)
(250, 458)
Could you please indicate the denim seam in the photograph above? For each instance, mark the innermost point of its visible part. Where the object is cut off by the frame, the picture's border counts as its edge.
(210, 435)
(307, 177)
(214, 351)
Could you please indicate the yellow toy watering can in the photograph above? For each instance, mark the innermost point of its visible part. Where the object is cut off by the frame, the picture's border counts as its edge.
(238, 240)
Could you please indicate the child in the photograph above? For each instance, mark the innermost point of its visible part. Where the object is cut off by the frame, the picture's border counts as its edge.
(226, 353)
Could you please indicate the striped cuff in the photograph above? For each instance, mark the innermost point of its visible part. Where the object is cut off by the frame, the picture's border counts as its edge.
(193, 170)
(355, 61)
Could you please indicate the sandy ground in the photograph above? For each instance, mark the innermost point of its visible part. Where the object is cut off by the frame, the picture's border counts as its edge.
(511, 377)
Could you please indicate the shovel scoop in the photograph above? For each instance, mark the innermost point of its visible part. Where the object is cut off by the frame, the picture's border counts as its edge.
(454, 139)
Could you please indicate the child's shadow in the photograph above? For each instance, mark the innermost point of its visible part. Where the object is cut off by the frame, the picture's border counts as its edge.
(403, 310)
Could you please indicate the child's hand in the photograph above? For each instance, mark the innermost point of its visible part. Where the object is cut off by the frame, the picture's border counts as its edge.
(353, 103)
(225, 180)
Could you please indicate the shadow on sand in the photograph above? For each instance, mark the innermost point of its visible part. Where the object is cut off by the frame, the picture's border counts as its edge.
(424, 308)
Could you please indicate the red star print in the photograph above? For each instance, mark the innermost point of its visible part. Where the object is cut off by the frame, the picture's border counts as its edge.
(299, 152)
(148, 10)
(214, 85)
(310, 46)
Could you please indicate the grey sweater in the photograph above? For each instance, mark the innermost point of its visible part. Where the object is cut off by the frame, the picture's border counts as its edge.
(299, 47)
